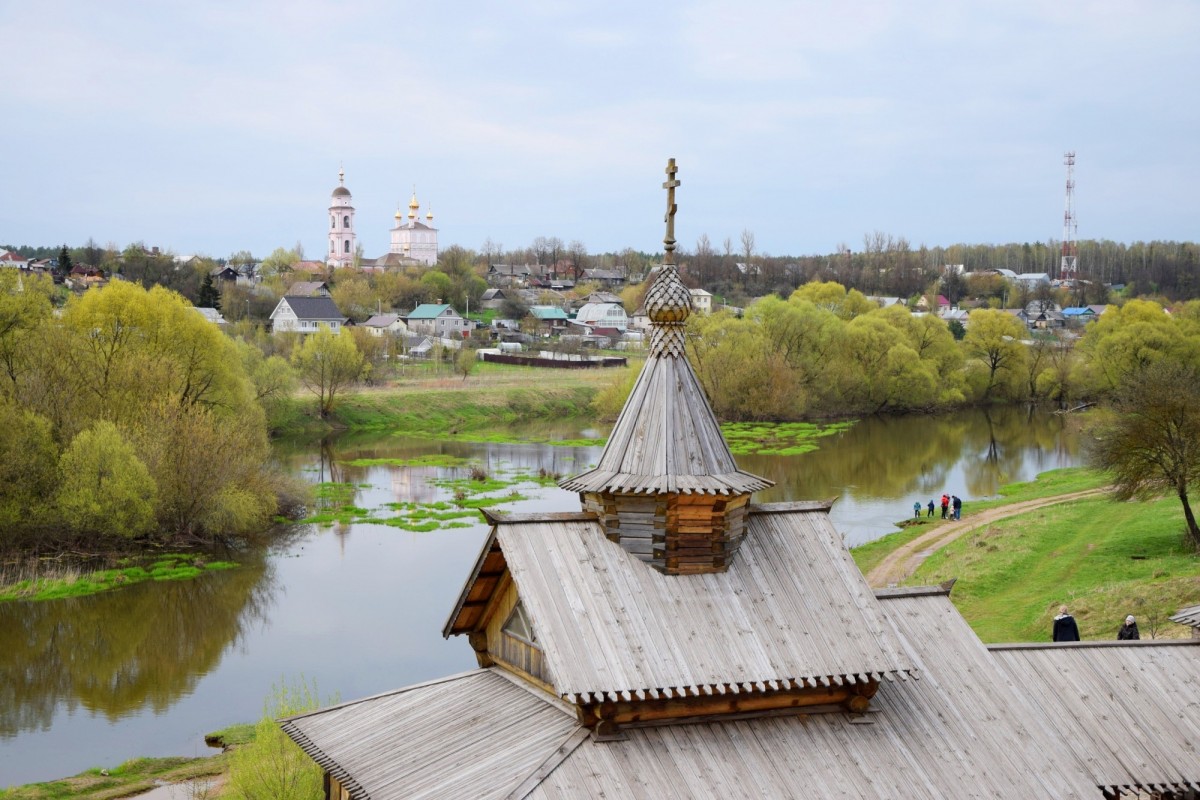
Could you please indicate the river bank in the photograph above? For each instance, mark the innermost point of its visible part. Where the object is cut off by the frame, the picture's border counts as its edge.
(1070, 545)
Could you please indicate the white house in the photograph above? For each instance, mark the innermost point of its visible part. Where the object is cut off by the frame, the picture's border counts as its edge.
(306, 315)
(701, 301)
(385, 324)
(438, 319)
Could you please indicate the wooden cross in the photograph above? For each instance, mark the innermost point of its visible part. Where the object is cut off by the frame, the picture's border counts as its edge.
(669, 185)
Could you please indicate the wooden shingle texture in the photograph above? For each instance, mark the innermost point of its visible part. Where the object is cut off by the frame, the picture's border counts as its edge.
(792, 606)
(1129, 711)
(477, 735)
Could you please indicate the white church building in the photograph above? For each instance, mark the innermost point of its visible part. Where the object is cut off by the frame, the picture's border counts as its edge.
(413, 241)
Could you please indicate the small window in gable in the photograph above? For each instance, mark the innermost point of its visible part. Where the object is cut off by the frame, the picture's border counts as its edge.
(520, 626)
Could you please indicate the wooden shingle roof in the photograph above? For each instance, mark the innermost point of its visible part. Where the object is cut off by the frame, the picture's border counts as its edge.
(667, 439)
(979, 723)
(1188, 616)
(792, 608)
(1128, 711)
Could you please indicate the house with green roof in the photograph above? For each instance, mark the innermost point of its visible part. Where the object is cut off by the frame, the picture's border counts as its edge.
(550, 319)
(438, 319)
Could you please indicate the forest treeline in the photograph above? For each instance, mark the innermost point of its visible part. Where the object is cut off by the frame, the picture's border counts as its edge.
(737, 272)
(830, 352)
(126, 415)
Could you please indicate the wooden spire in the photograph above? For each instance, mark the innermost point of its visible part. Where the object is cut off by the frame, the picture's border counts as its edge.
(666, 486)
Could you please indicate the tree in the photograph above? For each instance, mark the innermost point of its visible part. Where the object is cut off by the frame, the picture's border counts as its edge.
(1150, 439)
(64, 260)
(327, 363)
(209, 296)
(106, 488)
(465, 361)
(993, 339)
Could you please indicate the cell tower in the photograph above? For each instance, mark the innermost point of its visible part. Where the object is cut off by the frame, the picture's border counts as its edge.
(1069, 271)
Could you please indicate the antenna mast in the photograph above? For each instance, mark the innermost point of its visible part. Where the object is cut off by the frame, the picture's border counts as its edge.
(1069, 271)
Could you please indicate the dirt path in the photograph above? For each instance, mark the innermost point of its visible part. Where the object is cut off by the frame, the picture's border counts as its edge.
(904, 560)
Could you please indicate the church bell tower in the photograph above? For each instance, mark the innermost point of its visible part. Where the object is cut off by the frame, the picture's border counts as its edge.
(341, 225)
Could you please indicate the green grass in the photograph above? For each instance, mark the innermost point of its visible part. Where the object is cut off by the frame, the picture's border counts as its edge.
(1048, 484)
(132, 777)
(55, 585)
(1103, 559)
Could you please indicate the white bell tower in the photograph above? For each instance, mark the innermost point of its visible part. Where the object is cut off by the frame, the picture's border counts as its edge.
(341, 226)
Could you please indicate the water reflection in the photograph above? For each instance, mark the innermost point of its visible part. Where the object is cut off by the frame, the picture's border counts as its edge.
(122, 651)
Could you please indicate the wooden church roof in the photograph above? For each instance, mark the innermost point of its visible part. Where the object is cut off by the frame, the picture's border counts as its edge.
(979, 723)
(792, 609)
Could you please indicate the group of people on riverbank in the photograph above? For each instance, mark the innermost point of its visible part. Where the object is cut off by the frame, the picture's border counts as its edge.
(1066, 629)
(951, 507)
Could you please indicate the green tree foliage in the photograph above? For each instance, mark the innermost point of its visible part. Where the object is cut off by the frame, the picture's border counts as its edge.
(1150, 438)
(326, 364)
(28, 469)
(465, 362)
(993, 344)
(280, 261)
(64, 260)
(1128, 339)
(105, 487)
(272, 766)
(141, 375)
(209, 296)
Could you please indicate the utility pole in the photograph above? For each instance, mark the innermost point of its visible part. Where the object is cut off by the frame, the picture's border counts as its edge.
(1069, 271)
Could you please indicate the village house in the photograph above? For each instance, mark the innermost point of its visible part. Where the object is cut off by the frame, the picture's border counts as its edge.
(211, 314)
(608, 278)
(508, 274)
(438, 320)
(306, 315)
(224, 274)
(674, 639)
(551, 320)
(13, 260)
(309, 289)
(385, 325)
(701, 301)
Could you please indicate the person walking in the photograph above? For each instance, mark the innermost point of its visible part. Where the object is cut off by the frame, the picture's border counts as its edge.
(957, 506)
(931, 507)
(1129, 629)
(1065, 629)
(945, 505)
(917, 510)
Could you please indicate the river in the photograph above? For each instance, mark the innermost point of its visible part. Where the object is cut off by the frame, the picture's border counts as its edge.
(358, 607)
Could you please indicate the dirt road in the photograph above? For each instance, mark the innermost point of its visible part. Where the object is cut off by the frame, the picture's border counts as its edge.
(904, 560)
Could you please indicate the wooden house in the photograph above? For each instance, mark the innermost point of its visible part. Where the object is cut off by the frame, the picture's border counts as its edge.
(306, 315)
(674, 639)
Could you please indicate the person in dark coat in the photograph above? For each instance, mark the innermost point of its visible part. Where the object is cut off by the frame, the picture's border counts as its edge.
(956, 507)
(1065, 629)
(931, 507)
(1129, 629)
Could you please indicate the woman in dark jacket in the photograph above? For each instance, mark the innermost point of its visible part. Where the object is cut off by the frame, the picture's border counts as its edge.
(1129, 629)
(1065, 629)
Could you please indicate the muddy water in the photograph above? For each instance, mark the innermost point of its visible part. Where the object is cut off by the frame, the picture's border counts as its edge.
(359, 608)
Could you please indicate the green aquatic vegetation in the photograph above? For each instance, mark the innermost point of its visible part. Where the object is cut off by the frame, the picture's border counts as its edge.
(472, 486)
(60, 583)
(488, 502)
(432, 460)
(778, 438)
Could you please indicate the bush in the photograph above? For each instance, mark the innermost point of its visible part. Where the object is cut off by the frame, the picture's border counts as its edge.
(272, 766)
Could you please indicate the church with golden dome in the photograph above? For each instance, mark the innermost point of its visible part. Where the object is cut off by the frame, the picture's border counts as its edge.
(413, 239)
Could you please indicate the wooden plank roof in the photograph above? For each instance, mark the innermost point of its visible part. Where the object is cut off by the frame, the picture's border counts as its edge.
(1128, 711)
(666, 440)
(791, 607)
(1188, 616)
(981, 722)
(477, 735)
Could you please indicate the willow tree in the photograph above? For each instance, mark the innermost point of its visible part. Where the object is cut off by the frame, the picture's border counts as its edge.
(1150, 438)
(327, 363)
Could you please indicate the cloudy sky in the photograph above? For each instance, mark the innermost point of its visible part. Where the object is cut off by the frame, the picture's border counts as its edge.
(209, 127)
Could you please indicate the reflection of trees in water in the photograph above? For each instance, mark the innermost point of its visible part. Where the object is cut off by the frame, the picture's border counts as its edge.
(899, 456)
(124, 650)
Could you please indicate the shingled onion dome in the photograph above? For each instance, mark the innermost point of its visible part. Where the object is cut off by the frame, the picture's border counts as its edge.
(666, 487)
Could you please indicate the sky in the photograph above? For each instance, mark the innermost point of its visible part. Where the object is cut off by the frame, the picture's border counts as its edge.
(212, 127)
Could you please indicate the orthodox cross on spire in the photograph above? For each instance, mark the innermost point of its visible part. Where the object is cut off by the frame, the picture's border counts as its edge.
(669, 185)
